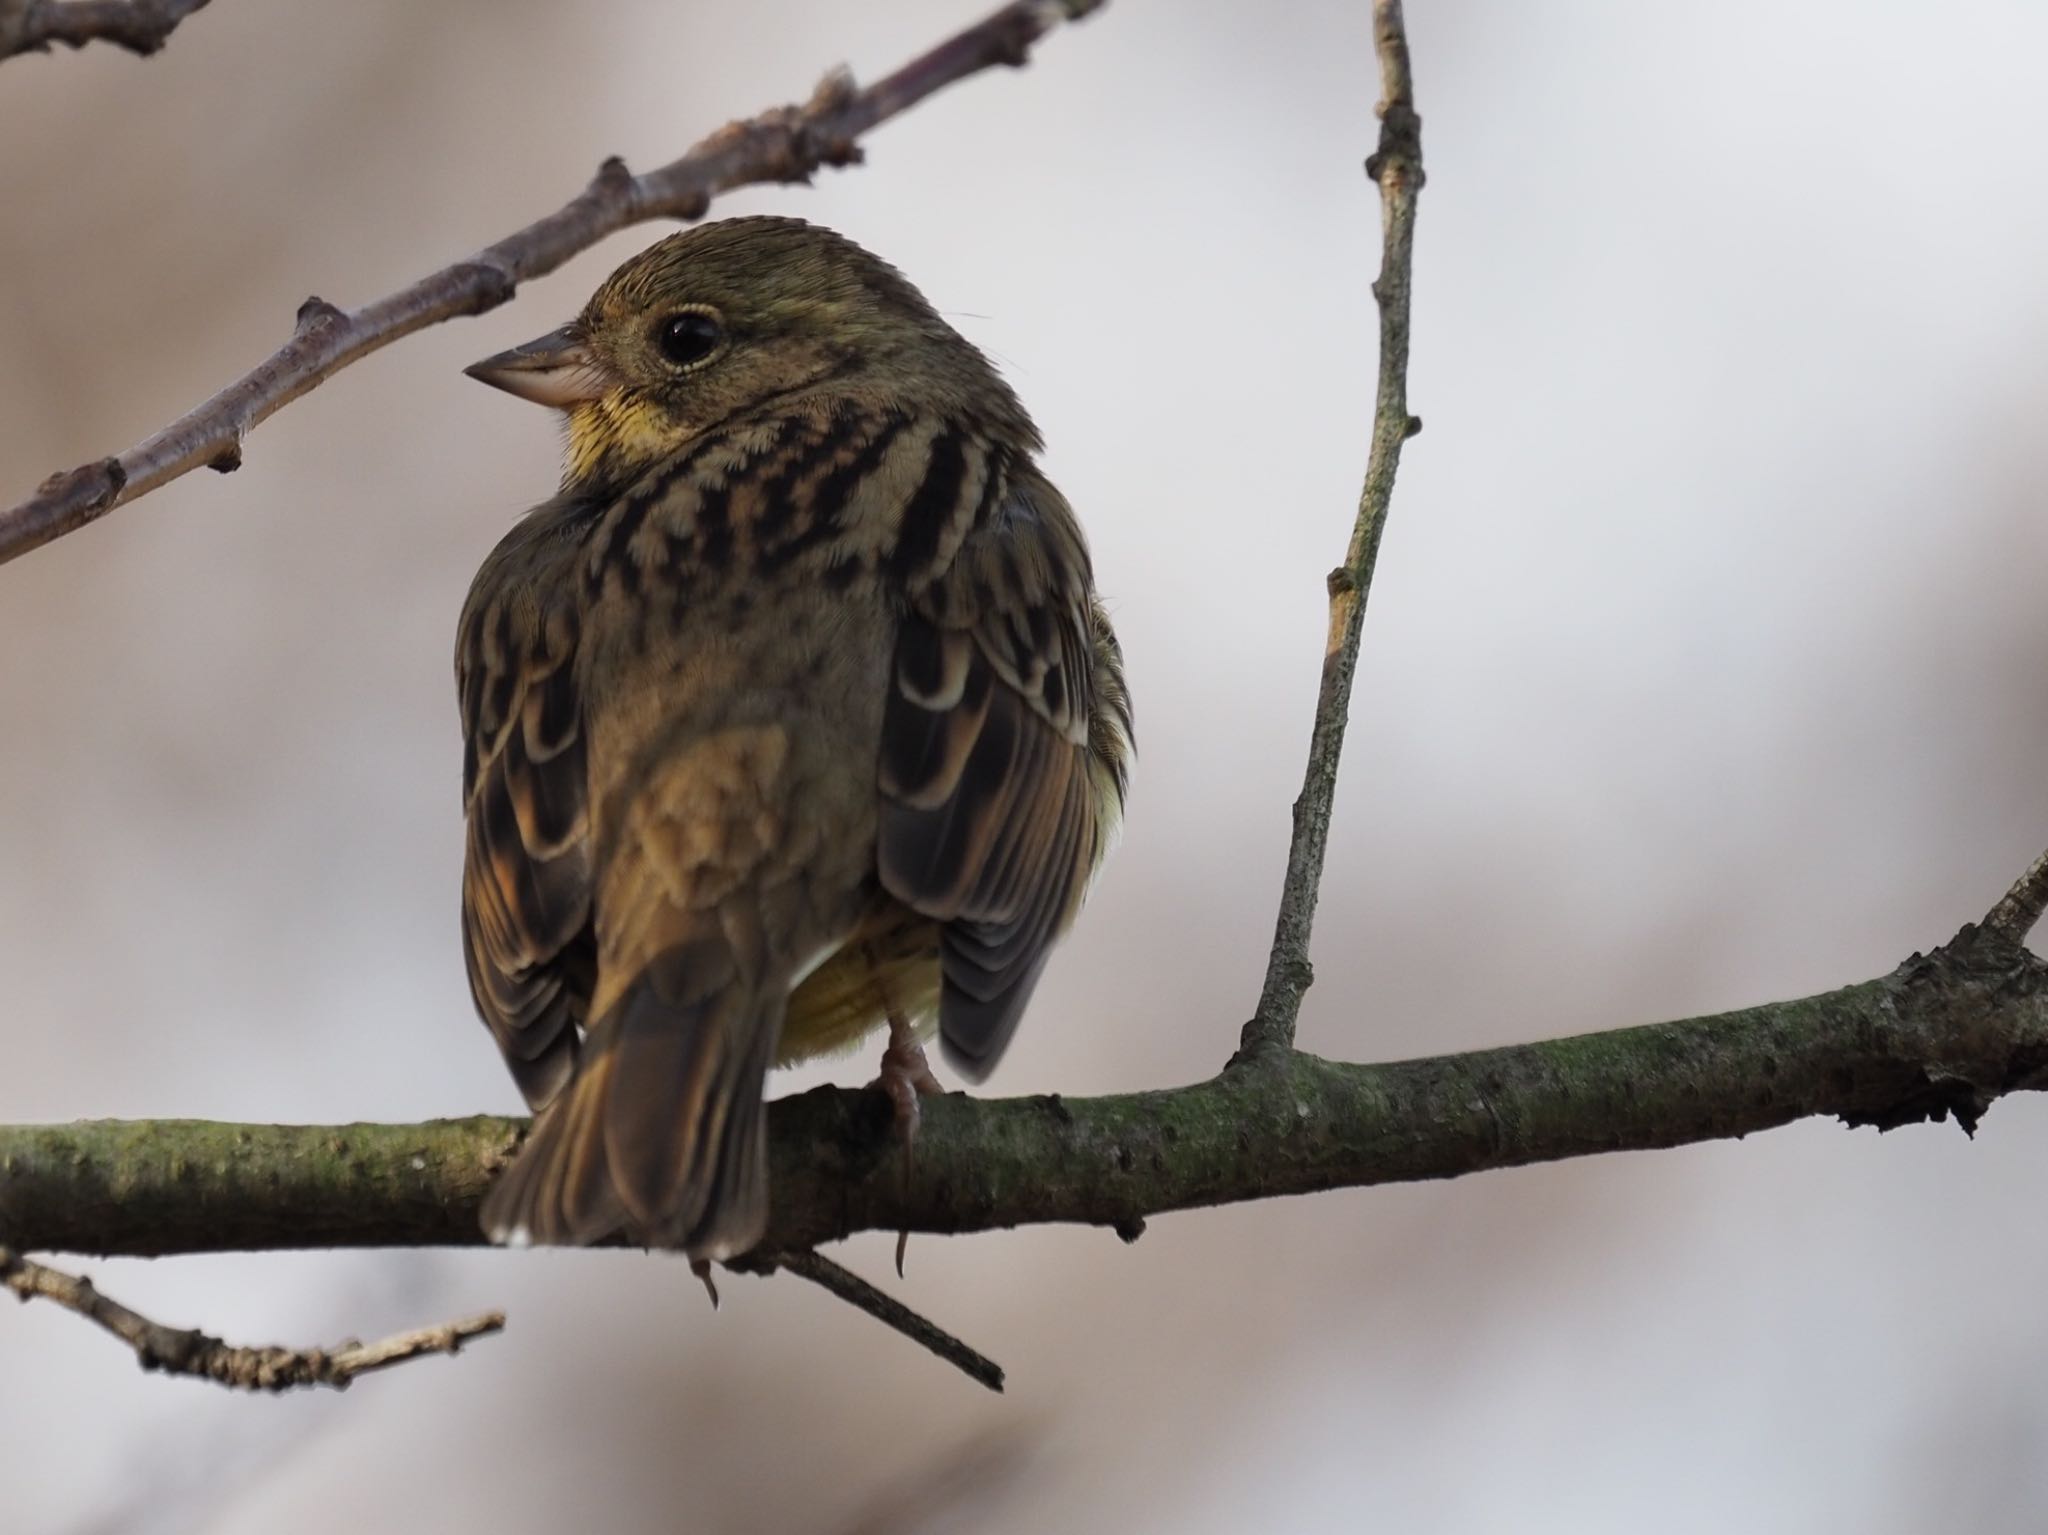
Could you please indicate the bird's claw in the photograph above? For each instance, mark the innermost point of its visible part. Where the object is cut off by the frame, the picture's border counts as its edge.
(906, 1077)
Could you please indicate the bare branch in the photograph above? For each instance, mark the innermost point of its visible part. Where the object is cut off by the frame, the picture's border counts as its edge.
(187, 1351)
(140, 26)
(1944, 1034)
(1397, 167)
(784, 144)
(884, 1307)
(2020, 908)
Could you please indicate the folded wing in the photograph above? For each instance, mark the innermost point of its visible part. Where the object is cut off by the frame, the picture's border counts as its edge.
(997, 797)
(527, 865)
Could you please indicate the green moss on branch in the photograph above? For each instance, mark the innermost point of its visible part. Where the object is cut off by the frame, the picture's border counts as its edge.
(1945, 1034)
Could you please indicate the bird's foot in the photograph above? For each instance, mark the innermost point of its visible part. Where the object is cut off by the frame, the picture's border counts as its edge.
(906, 1077)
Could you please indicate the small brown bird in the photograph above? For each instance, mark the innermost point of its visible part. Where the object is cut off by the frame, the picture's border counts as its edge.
(791, 716)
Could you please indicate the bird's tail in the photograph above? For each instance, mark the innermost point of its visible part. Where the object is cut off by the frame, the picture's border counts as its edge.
(661, 1131)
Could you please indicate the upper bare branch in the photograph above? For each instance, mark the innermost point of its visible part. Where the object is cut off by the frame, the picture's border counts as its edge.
(1397, 166)
(785, 144)
(140, 26)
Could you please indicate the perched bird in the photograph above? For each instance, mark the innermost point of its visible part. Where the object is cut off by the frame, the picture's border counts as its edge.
(793, 715)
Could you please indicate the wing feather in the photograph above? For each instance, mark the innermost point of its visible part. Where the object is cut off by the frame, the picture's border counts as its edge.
(994, 811)
(527, 868)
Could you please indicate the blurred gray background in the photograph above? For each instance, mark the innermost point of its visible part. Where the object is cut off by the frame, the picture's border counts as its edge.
(1704, 668)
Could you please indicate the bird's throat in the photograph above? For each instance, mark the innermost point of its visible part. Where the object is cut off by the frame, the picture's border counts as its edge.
(612, 438)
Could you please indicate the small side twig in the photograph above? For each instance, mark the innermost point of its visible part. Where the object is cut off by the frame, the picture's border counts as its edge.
(784, 144)
(140, 26)
(1397, 167)
(884, 1307)
(2021, 907)
(187, 1351)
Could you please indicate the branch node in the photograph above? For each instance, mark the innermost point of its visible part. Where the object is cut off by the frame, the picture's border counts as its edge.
(488, 283)
(227, 460)
(1129, 1228)
(834, 92)
(111, 477)
(1397, 162)
(317, 314)
(1013, 49)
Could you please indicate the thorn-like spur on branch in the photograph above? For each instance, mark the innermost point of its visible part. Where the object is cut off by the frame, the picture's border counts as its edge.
(784, 144)
(1397, 167)
(885, 1308)
(2020, 908)
(140, 26)
(187, 1351)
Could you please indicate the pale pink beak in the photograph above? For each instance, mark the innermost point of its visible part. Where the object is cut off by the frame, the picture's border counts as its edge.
(559, 370)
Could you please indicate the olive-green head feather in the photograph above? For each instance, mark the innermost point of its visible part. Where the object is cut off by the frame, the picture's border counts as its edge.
(741, 316)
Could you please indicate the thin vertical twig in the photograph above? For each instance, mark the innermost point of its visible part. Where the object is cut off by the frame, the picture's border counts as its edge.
(1396, 166)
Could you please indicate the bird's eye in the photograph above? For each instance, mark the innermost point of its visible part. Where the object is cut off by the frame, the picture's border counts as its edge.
(688, 338)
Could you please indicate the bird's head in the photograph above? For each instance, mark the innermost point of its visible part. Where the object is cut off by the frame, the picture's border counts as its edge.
(737, 316)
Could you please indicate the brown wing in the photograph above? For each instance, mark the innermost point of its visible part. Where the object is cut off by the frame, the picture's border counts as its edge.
(996, 803)
(526, 873)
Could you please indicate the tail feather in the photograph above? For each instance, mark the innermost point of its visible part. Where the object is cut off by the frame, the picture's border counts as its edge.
(661, 1131)
(558, 1191)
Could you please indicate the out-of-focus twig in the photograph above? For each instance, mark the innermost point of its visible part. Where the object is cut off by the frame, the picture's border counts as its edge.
(187, 1351)
(140, 26)
(885, 1308)
(1397, 167)
(784, 144)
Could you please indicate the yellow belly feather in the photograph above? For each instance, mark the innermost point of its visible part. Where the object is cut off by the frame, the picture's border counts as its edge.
(893, 966)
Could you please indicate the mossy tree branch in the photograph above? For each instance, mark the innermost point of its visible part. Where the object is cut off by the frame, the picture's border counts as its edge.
(1944, 1034)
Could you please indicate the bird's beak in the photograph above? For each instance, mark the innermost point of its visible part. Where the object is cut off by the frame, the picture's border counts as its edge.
(559, 369)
